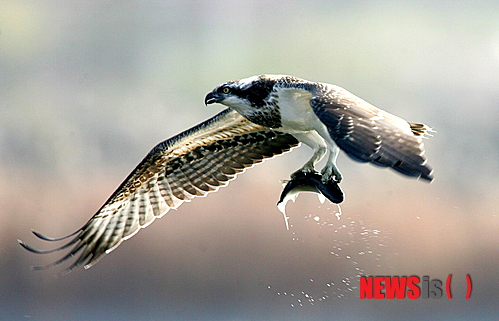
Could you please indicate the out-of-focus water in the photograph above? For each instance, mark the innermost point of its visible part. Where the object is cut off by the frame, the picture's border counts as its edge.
(88, 88)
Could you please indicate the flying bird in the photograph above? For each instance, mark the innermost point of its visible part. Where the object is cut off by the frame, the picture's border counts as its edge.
(267, 115)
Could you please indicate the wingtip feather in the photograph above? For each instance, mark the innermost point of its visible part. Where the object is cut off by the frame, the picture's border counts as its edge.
(51, 239)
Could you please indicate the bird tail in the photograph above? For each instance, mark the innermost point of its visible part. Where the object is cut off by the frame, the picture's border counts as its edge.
(421, 130)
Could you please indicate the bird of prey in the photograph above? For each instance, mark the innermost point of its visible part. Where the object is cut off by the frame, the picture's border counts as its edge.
(267, 115)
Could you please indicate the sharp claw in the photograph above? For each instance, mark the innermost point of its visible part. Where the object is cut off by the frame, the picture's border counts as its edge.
(331, 174)
(299, 173)
(328, 180)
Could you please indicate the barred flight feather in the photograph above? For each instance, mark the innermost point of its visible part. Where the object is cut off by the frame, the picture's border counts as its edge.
(368, 134)
(191, 164)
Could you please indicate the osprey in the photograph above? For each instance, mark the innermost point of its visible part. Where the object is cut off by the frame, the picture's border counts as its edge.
(268, 115)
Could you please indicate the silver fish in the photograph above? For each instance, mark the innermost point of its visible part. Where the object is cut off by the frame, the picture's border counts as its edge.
(309, 182)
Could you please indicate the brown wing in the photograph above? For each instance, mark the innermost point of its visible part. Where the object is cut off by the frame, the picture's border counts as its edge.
(193, 163)
(369, 134)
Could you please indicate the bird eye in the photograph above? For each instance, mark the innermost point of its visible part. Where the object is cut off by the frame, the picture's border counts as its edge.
(226, 90)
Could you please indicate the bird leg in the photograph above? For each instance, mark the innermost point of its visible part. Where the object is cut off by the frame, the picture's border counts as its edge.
(309, 166)
(330, 172)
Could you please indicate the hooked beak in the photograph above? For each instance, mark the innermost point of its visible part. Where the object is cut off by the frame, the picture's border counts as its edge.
(212, 98)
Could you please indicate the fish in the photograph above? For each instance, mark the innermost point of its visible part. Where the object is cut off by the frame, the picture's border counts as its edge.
(312, 183)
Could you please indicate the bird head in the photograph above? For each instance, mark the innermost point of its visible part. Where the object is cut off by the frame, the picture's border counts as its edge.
(248, 93)
(255, 98)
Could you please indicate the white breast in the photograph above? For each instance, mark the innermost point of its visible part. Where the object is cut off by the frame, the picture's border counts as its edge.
(298, 117)
(296, 113)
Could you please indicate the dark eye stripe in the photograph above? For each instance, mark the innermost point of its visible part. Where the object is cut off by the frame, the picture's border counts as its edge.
(256, 94)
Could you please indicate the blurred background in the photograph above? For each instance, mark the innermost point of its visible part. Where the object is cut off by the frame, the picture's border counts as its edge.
(87, 88)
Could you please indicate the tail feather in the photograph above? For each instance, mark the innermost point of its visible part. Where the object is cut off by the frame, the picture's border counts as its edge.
(420, 129)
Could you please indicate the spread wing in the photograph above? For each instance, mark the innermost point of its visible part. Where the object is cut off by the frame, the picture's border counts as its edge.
(368, 134)
(193, 163)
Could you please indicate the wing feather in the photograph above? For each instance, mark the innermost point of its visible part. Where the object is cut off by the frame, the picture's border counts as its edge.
(369, 134)
(191, 164)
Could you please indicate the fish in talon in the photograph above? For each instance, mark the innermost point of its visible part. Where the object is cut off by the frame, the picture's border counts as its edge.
(309, 182)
